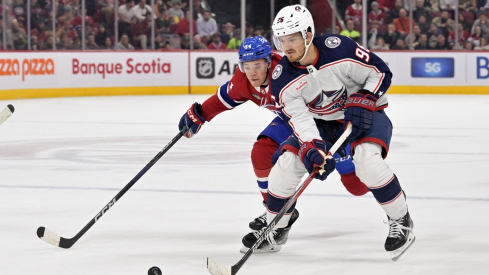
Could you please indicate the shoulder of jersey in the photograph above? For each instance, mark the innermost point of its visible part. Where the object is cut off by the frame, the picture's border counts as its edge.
(276, 57)
(239, 79)
(278, 75)
(275, 60)
(332, 42)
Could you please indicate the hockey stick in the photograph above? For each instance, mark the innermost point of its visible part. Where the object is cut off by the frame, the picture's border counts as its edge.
(217, 269)
(56, 240)
(6, 113)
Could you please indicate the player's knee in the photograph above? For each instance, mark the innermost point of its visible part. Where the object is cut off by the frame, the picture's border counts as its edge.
(261, 154)
(279, 183)
(367, 160)
(283, 181)
(353, 184)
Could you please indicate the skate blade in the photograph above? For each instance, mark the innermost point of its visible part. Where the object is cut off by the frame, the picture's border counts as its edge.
(266, 249)
(396, 254)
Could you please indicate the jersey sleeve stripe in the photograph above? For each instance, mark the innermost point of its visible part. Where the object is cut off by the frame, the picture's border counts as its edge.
(292, 125)
(376, 89)
(225, 98)
(283, 105)
(286, 87)
(382, 75)
(351, 60)
(295, 132)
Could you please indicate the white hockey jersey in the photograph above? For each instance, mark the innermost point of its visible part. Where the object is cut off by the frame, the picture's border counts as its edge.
(320, 90)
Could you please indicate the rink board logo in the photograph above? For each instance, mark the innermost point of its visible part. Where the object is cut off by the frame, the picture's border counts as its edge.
(25, 67)
(443, 67)
(205, 67)
(482, 67)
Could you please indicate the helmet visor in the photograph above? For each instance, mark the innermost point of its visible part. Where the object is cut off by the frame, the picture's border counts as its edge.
(286, 42)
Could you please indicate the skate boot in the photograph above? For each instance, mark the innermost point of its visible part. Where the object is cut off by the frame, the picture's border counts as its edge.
(401, 236)
(259, 222)
(274, 241)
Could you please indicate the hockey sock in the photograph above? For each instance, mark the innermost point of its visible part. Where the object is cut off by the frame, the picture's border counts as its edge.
(261, 156)
(274, 205)
(390, 197)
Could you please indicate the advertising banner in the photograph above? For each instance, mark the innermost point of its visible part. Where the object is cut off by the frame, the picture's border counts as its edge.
(478, 68)
(47, 74)
(27, 73)
(426, 68)
(439, 72)
(211, 69)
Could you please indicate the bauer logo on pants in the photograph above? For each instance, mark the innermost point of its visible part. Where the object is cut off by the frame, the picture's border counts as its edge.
(205, 67)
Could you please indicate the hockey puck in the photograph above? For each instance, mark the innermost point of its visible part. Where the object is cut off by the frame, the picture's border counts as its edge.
(154, 271)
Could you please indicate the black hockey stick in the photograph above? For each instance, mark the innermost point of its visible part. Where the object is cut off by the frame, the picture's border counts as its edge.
(56, 240)
(217, 269)
(6, 113)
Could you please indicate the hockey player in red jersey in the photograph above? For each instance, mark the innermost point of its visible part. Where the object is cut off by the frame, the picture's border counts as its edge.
(320, 83)
(251, 83)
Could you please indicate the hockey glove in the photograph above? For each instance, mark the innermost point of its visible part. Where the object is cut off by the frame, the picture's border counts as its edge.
(192, 119)
(359, 111)
(313, 156)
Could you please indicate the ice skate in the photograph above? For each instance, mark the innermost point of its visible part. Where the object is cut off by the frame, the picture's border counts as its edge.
(274, 241)
(401, 236)
(259, 222)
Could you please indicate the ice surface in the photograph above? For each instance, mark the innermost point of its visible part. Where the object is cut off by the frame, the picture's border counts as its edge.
(63, 159)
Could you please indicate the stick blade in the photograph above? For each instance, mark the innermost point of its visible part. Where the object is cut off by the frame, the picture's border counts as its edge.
(216, 269)
(48, 236)
(53, 238)
(6, 113)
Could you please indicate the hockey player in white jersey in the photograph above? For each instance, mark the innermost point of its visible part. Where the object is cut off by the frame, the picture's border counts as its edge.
(250, 82)
(322, 84)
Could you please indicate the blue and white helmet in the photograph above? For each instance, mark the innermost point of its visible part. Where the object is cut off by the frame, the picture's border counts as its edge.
(254, 48)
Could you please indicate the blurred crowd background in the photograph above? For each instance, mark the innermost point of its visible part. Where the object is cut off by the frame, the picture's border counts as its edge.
(218, 24)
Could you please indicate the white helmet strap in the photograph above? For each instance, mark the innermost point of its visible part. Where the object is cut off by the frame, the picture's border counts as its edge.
(306, 49)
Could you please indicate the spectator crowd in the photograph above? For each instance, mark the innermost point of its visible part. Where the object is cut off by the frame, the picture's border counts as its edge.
(433, 25)
(169, 20)
(388, 25)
